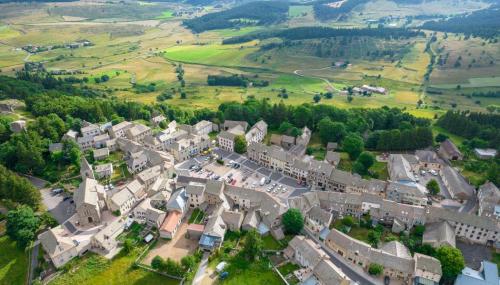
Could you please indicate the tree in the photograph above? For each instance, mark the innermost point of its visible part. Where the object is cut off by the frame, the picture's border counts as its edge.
(374, 238)
(293, 221)
(188, 262)
(240, 144)
(128, 245)
(366, 159)
(18, 189)
(22, 225)
(331, 131)
(452, 262)
(157, 262)
(433, 187)
(317, 98)
(348, 221)
(253, 245)
(375, 269)
(441, 137)
(353, 145)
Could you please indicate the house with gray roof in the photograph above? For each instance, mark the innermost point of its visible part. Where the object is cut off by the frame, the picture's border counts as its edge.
(456, 184)
(486, 275)
(400, 169)
(104, 170)
(412, 194)
(448, 150)
(439, 234)
(488, 197)
(59, 245)
(332, 157)
(118, 130)
(89, 200)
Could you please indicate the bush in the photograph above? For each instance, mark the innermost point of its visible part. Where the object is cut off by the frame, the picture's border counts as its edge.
(375, 269)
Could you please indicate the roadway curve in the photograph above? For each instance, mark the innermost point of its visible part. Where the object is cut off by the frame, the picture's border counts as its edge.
(299, 72)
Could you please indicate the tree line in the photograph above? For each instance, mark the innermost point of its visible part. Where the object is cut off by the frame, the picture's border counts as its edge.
(482, 23)
(254, 13)
(473, 125)
(303, 33)
(235, 80)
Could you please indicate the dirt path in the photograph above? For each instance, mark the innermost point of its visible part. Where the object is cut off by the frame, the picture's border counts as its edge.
(299, 72)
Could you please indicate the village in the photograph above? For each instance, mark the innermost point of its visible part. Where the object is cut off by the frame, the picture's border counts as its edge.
(185, 188)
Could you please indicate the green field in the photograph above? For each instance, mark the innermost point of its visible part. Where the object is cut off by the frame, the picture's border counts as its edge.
(165, 15)
(13, 263)
(93, 269)
(298, 11)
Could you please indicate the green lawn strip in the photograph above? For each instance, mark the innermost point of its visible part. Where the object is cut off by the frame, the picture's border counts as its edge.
(495, 258)
(13, 262)
(243, 272)
(288, 268)
(196, 217)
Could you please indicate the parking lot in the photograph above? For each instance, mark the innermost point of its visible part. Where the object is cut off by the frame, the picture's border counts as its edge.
(240, 171)
(61, 206)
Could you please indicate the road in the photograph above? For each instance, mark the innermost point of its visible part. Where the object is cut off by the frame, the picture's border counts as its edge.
(33, 261)
(201, 269)
(353, 272)
(299, 73)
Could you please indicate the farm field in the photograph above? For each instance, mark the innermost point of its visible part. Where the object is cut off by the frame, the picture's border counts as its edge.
(141, 44)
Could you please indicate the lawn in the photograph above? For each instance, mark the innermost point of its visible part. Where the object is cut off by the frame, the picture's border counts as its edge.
(243, 272)
(345, 162)
(196, 217)
(457, 140)
(288, 268)
(496, 259)
(167, 14)
(380, 169)
(13, 263)
(94, 269)
(271, 244)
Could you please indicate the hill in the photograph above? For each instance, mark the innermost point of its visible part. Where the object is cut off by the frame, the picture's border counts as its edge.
(250, 14)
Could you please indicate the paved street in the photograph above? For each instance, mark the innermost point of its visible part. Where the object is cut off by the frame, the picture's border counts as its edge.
(354, 273)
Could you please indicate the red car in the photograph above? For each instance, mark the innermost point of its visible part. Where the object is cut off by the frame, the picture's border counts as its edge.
(233, 182)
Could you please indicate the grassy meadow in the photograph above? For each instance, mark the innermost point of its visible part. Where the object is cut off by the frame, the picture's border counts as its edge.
(13, 263)
(142, 43)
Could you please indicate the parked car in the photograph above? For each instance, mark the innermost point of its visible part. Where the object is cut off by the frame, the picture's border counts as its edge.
(57, 191)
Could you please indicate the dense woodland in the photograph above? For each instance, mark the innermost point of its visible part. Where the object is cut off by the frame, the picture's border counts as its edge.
(253, 13)
(482, 23)
(323, 12)
(303, 33)
(482, 128)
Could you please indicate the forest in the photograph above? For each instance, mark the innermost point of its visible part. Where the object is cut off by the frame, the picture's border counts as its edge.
(483, 128)
(482, 23)
(253, 13)
(302, 33)
(323, 12)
